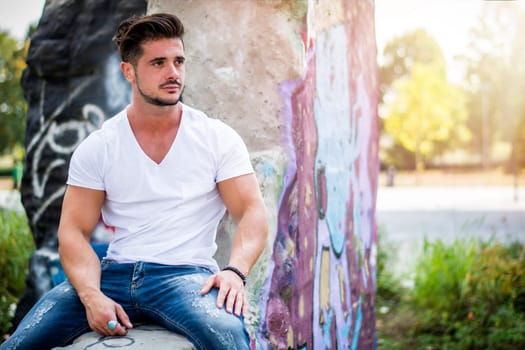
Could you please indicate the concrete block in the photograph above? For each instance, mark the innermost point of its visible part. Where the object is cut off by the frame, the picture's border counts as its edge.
(145, 337)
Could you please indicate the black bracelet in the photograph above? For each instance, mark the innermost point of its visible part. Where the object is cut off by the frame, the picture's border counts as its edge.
(237, 272)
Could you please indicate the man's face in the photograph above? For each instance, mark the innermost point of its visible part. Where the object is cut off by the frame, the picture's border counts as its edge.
(159, 72)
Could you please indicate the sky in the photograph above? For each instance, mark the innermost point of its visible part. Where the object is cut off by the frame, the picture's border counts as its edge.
(447, 21)
(17, 15)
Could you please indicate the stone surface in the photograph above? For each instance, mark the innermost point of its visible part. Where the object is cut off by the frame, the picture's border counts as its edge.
(144, 337)
(238, 52)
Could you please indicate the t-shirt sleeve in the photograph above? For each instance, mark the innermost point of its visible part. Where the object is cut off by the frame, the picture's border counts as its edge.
(87, 163)
(234, 159)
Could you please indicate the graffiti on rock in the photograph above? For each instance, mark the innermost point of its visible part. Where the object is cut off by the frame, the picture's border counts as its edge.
(49, 136)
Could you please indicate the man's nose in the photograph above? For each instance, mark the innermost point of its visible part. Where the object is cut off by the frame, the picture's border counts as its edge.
(174, 70)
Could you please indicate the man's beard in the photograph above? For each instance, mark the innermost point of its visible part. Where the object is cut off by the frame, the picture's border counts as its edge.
(159, 101)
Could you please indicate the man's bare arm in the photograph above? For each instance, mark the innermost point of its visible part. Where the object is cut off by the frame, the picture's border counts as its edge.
(80, 214)
(244, 202)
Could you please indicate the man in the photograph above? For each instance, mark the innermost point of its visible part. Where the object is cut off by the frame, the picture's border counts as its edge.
(162, 174)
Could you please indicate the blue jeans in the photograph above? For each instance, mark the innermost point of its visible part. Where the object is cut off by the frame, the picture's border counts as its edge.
(165, 295)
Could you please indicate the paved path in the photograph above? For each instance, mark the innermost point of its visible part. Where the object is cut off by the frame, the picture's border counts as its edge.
(406, 215)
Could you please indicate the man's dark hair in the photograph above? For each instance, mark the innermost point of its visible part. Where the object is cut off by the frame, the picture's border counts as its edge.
(134, 31)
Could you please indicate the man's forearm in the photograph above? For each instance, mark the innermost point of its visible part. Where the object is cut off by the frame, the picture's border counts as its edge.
(249, 239)
(81, 264)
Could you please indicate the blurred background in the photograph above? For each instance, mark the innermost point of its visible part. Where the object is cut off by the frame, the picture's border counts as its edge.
(451, 198)
(452, 114)
(451, 204)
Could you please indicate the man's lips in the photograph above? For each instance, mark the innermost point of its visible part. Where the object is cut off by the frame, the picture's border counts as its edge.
(170, 85)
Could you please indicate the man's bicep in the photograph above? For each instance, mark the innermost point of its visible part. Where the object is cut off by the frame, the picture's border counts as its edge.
(240, 193)
(81, 209)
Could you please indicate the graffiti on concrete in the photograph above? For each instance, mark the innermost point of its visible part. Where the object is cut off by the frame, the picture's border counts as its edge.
(320, 294)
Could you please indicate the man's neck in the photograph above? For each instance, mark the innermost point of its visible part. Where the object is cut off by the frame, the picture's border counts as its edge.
(154, 118)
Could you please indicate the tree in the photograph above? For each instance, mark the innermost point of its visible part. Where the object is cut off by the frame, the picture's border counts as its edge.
(13, 106)
(425, 111)
(399, 56)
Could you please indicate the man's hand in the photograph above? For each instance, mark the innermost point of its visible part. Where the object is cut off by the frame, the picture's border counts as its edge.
(100, 310)
(231, 291)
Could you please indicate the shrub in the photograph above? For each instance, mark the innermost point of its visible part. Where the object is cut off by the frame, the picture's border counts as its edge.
(467, 295)
(494, 295)
(470, 295)
(16, 246)
(440, 282)
(499, 277)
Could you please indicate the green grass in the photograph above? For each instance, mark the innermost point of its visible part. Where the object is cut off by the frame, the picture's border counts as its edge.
(466, 295)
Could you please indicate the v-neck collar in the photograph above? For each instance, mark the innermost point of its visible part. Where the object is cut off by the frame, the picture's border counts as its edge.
(141, 150)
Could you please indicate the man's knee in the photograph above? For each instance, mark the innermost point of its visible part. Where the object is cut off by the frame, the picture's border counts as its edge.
(226, 332)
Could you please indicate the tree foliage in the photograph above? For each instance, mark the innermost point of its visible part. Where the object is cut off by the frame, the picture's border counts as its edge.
(16, 246)
(426, 111)
(13, 106)
(399, 56)
(401, 53)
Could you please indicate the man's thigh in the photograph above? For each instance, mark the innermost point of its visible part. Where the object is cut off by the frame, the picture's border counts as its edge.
(171, 297)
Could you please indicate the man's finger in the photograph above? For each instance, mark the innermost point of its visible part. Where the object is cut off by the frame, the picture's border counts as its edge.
(207, 286)
(239, 302)
(113, 327)
(123, 317)
(99, 330)
(120, 330)
(231, 301)
(221, 296)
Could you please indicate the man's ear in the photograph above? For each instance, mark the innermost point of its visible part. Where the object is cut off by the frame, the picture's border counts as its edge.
(128, 70)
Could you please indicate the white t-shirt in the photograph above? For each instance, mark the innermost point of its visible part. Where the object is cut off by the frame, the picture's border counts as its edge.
(164, 213)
